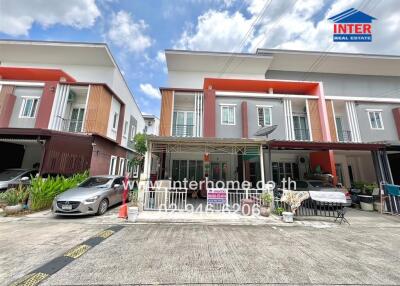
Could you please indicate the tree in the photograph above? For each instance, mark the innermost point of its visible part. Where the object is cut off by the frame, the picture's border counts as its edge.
(140, 148)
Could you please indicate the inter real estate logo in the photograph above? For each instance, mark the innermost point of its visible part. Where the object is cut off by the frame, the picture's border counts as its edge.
(352, 26)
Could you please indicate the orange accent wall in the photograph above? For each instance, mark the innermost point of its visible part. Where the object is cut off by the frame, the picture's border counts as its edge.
(262, 86)
(316, 130)
(167, 101)
(331, 120)
(35, 74)
(326, 160)
(245, 122)
(98, 110)
(209, 113)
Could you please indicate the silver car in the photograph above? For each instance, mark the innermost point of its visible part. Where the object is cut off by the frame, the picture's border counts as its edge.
(15, 177)
(93, 196)
(315, 185)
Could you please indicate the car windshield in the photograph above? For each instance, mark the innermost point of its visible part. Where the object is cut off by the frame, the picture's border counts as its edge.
(320, 184)
(10, 174)
(95, 182)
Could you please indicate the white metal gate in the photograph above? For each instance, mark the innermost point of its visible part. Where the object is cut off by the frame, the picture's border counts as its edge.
(165, 199)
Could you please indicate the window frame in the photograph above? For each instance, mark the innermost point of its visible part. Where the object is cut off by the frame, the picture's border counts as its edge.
(126, 127)
(263, 108)
(112, 167)
(226, 105)
(114, 125)
(374, 112)
(23, 105)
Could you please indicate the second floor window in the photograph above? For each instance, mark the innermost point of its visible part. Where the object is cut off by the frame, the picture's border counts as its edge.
(28, 107)
(375, 119)
(264, 116)
(126, 128)
(183, 124)
(115, 121)
(227, 115)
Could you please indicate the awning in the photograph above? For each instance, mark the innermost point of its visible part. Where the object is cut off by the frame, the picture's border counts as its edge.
(323, 146)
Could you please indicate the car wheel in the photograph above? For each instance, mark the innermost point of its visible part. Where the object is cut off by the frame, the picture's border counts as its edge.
(103, 206)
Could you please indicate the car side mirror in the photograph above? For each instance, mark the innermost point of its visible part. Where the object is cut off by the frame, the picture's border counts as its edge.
(24, 179)
(116, 185)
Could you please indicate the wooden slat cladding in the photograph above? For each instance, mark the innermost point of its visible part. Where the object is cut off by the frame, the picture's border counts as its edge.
(98, 110)
(331, 120)
(315, 120)
(5, 91)
(167, 101)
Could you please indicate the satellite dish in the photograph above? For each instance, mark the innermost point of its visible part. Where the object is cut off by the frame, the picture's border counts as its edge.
(266, 130)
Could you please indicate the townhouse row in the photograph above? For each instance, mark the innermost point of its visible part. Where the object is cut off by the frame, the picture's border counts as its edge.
(65, 108)
(340, 118)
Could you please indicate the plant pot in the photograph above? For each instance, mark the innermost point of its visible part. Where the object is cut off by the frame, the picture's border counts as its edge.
(265, 211)
(366, 202)
(377, 206)
(13, 209)
(287, 217)
(133, 213)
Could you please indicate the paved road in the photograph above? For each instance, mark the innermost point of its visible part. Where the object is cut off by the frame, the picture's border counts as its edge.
(208, 254)
(184, 254)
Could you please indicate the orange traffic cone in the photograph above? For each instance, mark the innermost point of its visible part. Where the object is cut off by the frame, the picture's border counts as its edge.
(123, 211)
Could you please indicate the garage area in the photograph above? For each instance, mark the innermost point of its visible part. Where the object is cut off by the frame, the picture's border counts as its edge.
(21, 153)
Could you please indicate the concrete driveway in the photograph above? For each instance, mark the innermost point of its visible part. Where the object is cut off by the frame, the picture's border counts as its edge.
(366, 252)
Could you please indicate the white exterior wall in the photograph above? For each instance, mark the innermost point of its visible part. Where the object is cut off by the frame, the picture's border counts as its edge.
(184, 79)
(154, 128)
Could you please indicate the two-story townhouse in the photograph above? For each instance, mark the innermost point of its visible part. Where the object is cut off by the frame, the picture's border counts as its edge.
(217, 102)
(152, 124)
(65, 107)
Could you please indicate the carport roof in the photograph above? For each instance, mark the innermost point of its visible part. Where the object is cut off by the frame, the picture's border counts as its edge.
(206, 140)
(322, 146)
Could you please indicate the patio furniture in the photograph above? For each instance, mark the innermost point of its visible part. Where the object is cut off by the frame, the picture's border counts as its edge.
(390, 199)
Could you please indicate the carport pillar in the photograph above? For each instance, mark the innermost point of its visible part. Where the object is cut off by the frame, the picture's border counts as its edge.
(262, 166)
(147, 162)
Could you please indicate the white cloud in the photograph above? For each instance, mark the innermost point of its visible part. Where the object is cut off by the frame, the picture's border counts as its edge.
(215, 31)
(149, 90)
(161, 57)
(124, 32)
(17, 17)
(301, 25)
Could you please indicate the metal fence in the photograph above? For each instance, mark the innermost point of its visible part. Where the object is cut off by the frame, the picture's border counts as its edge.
(176, 199)
(165, 199)
(310, 207)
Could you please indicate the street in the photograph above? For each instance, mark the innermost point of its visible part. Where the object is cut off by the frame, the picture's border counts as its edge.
(206, 254)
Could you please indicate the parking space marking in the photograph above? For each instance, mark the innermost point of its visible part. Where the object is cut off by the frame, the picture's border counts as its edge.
(105, 233)
(43, 272)
(77, 251)
(32, 279)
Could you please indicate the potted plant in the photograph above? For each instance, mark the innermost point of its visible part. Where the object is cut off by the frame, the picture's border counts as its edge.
(133, 208)
(14, 199)
(366, 198)
(266, 200)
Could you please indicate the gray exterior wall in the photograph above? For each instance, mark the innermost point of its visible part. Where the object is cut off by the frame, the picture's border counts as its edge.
(346, 85)
(235, 131)
(372, 135)
(19, 92)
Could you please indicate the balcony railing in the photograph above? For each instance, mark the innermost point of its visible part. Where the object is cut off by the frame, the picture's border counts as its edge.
(181, 130)
(345, 136)
(69, 125)
(301, 134)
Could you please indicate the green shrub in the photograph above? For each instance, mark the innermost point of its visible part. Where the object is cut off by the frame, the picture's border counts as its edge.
(14, 196)
(43, 191)
(279, 210)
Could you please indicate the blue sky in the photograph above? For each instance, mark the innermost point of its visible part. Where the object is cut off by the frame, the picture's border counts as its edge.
(138, 31)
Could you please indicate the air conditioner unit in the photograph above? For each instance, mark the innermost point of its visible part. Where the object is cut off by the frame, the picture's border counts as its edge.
(71, 97)
(303, 164)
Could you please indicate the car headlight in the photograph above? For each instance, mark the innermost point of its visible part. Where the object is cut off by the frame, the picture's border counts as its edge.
(91, 200)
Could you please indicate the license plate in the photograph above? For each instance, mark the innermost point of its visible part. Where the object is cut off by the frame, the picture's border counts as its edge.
(66, 207)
